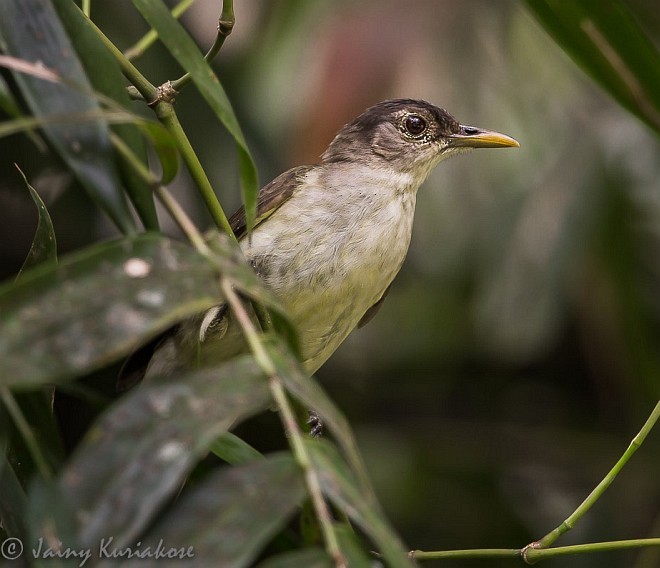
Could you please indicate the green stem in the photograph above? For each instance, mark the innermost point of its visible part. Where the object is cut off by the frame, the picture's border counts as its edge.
(165, 113)
(148, 39)
(569, 523)
(148, 91)
(295, 435)
(475, 553)
(225, 26)
(87, 7)
(531, 554)
(26, 432)
(171, 205)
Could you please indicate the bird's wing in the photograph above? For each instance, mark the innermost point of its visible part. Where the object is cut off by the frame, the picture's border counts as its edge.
(271, 196)
(373, 310)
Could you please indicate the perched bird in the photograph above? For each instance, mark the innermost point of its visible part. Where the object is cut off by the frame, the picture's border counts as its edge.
(329, 238)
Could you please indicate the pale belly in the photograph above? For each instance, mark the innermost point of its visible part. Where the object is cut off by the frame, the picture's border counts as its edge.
(327, 285)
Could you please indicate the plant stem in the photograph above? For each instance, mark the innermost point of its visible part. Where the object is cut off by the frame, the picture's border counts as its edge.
(165, 197)
(531, 555)
(148, 39)
(225, 25)
(26, 432)
(165, 113)
(86, 7)
(295, 435)
(569, 523)
(473, 553)
(148, 91)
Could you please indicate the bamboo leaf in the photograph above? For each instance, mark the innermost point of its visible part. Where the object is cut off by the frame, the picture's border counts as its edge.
(352, 548)
(44, 245)
(12, 499)
(228, 519)
(606, 41)
(308, 391)
(184, 50)
(339, 484)
(165, 148)
(32, 31)
(137, 454)
(233, 450)
(105, 76)
(97, 305)
(230, 259)
(309, 558)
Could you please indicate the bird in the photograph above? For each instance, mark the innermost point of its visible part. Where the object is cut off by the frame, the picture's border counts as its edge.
(329, 238)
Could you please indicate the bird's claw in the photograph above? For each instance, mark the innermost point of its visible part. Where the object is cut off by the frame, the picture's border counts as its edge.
(315, 424)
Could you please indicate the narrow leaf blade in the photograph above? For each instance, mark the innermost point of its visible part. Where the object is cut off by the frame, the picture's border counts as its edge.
(308, 391)
(138, 453)
(98, 305)
(105, 76)
(228, 519)
(32, 31)
(339, 484)
(606, 41)
(184, 50)
(44, 244)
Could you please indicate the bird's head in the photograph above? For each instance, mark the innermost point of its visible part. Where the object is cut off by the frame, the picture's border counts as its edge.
(407, 135)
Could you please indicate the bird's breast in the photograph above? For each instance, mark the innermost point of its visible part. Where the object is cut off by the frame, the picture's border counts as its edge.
(329, 258)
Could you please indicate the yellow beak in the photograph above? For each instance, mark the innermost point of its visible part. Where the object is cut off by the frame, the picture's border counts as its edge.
(472, 137)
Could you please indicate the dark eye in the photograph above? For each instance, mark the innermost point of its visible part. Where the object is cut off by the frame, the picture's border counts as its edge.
(415, 124)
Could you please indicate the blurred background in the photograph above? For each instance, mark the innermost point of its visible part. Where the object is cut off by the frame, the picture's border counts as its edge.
(518, 351)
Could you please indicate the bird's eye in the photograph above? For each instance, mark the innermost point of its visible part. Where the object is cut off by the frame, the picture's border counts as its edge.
(414, 124)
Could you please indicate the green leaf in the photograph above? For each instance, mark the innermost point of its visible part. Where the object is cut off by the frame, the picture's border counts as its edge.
(339, 484)
(37, 410)
(233, 450)
(230, 517)
(137, 454)
(98, 305)
(12, 499)
(51, 521)
(351, 548)
(234, 268)
(105, 76)
(32, 31)
(308, 391)
(44, 245)
(184, 50)
(309, 558)
(605, 39)
(165, 148)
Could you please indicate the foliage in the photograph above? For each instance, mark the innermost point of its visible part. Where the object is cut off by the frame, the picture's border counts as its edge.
(159, 463)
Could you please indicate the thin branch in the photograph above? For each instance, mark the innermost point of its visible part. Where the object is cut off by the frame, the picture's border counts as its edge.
(148, 39)
(225, 26)
(144, 87)
(569, 523)
(531, 555)
(165, 113)
(295, 435)
(171, 205)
